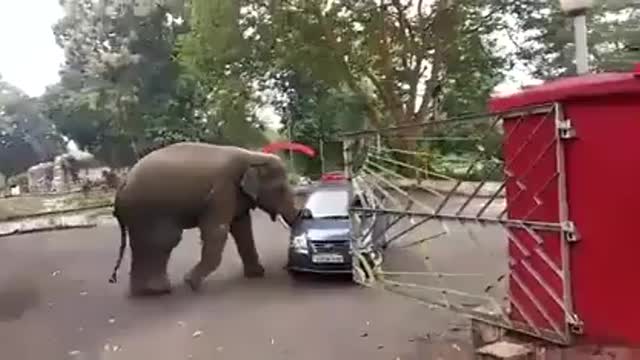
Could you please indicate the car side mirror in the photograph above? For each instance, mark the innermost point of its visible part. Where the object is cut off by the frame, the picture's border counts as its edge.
(306, 214)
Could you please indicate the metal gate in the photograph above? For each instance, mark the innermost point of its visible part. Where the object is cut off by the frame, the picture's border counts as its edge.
(476, 217)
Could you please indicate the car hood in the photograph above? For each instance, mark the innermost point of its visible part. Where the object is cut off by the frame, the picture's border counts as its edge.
(324, 229)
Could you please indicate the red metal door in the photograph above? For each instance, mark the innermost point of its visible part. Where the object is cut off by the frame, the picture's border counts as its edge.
(537, 225)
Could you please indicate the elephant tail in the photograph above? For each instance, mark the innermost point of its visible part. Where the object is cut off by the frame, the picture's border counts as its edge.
(123, 235)
(123, 244)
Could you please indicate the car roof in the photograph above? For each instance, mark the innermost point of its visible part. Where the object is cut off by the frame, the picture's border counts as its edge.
(345, 186)
(348, 186)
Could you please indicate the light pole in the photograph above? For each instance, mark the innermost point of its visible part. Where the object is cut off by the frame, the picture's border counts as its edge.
(577, 9)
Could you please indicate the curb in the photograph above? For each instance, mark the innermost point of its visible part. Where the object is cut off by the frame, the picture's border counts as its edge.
(53, 213)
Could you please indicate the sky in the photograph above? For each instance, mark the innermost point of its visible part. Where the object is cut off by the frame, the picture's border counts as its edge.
(30, 57)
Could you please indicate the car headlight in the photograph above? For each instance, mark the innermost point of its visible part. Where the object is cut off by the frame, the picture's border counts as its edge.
(300, 243)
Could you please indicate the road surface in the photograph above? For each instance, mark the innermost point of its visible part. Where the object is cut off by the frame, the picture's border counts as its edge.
(56, 303)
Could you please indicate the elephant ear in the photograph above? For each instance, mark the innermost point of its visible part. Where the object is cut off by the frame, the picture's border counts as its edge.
(250, 183)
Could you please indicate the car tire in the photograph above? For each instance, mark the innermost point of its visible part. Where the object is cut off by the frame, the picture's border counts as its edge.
(296, 275)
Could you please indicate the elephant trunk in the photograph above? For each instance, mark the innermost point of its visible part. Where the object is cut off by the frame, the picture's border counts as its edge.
(291, 217)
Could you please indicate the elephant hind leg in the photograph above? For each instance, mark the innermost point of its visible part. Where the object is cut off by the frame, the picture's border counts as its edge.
(214, 237)
(151, 247)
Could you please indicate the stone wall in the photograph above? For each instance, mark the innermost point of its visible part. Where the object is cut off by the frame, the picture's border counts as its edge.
(39, 177)
(60, 176)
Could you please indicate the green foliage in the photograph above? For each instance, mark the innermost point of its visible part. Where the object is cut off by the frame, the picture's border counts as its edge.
(404, 64)
(547, 46)
(214, 52)
(27, 137)
(133, 82)
(314, 112)
(123, 91)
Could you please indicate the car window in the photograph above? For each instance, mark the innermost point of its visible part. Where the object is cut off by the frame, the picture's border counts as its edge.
(329, 204)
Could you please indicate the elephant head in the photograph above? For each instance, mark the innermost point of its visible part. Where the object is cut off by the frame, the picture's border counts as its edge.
(265, 182)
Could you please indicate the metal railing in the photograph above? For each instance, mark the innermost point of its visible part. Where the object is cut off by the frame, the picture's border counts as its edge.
(475, 216)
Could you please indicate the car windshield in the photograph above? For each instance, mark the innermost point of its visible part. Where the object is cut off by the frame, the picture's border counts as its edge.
(329, 204)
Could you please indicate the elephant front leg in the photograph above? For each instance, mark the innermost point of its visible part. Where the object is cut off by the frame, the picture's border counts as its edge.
(243, 235)
(214, 237)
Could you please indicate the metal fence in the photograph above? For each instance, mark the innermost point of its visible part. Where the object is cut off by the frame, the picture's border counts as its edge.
(476, 217)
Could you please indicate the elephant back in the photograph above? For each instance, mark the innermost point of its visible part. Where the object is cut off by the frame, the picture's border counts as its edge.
(181, 176)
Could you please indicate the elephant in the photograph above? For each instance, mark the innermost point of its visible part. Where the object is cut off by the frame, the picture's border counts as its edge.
(187, 185)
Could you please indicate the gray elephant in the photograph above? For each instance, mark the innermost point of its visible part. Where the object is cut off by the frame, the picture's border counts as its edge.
(188, 185)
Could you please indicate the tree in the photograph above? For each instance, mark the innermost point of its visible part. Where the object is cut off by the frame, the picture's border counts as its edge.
(215, 53)
(27, 137)
(121, 92)
(314, 113)
(401, 56)
(547, 41)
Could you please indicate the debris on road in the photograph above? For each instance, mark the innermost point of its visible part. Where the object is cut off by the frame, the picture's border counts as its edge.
(83, 293)
(364, 334)
(74, 353)
(55, 273)
(196, 334)
(112, 348)
(273, 341)
(112, 320)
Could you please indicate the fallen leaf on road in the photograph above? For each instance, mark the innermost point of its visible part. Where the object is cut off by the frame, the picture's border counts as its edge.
(380, 347)
(364, 334)
(55, 273)
(196, 333)
(455, 346)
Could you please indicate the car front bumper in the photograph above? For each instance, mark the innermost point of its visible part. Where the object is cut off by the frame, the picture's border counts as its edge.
(302, 263)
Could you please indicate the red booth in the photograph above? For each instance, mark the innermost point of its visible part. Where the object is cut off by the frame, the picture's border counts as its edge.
(572, 165)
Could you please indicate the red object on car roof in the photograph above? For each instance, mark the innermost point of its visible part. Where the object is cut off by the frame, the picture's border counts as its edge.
(287, 145)
(333, 176)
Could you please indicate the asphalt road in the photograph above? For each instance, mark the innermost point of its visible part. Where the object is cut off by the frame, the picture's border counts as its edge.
(56, 303)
